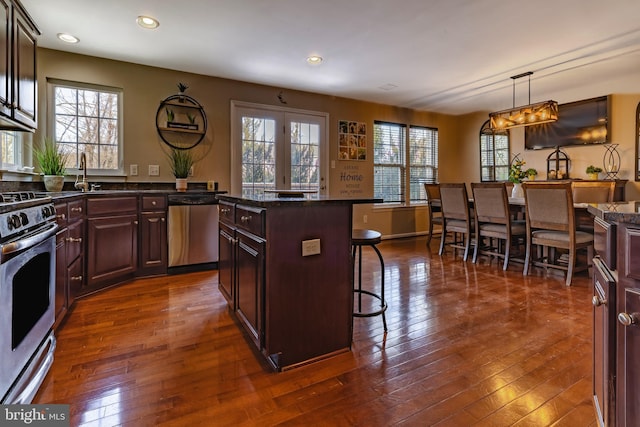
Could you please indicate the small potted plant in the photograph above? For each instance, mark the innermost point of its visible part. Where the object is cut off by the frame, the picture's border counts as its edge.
(170, 116)
(531, 174)
(182, 88)
(593, 171)
(181, 162)
(52, 163)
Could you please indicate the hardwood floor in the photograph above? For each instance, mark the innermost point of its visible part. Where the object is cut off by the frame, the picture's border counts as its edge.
(467, 345)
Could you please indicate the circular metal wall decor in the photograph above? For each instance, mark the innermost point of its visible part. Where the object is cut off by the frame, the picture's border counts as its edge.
(181, 122)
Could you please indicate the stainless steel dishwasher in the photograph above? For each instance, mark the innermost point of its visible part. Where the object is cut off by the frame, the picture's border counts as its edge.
(192, 231)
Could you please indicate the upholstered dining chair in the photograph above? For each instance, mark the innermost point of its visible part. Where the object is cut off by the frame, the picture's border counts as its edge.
(550, 217)
(435, 209)
(493, 221)
(456, 218)
(592, 191)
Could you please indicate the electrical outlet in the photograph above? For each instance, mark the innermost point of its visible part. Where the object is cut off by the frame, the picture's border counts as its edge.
(311, 247)
(154, 170)
(133, 170)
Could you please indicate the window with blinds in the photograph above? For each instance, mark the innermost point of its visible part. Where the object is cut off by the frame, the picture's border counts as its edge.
(389, 141)
(494, 154)
(423, 160)
(400, 157)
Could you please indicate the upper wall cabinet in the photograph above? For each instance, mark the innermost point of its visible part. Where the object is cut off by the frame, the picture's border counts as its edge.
(18, 82)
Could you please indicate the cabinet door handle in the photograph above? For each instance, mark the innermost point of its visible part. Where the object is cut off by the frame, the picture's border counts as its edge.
(135, 222)
(225, 211)
(74, 239)
(597, 301)
(153, 202)
(628, 319)
(76, 278)
(61, 216)
(245, 218)
(78, 209)
(162, 219)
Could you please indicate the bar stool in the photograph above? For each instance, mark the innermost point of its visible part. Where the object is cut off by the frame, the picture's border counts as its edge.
(360, 238)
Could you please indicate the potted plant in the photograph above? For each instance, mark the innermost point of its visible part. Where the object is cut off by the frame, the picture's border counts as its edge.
(181, 162)
(531, 173)
(593, 171)
(182, 88)
(52, 164)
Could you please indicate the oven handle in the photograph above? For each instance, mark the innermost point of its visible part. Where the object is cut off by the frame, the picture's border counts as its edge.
(29, 242)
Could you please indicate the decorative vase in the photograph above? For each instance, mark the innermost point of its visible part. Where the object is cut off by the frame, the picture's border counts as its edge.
(593, 176)
(53, 183)
(181, 184)
(517, 191)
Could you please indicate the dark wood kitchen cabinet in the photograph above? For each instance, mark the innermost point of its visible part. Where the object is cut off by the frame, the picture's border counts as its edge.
(18, 85)
(70, 241)
(296, 308)
(153, 236)
(616, 318)
(241, 265)
(112, 236)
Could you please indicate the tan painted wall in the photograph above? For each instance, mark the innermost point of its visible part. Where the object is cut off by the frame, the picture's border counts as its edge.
(144, 87)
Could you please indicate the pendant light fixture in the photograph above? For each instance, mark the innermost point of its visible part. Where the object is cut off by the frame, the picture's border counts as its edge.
(531, 114)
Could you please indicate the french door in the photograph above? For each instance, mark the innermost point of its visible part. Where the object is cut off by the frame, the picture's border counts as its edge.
(277, 149)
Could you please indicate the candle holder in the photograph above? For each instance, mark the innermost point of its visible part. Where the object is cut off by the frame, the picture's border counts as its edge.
(611, 161)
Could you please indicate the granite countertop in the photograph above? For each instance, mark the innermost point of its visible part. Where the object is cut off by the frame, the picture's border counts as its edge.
(106, 193)
(627, 212)
(269, 199)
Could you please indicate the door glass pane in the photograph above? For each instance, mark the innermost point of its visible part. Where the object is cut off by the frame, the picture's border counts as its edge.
(258, 155)
(305, 160)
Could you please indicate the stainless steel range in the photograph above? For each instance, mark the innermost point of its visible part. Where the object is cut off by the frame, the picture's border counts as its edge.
(27, 293)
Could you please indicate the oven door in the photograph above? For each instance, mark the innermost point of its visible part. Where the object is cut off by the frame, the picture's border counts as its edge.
(27, 299)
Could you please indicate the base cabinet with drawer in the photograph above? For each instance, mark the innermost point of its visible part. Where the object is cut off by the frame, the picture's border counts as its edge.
(616, 314)
(70, 243)
(112, 235)
(153, 236)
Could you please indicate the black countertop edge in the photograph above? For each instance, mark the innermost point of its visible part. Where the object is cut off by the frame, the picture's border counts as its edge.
(110, 193)
(622, 212)
(269, 200)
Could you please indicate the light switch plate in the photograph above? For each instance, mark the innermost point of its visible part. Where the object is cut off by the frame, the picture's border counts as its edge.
(311, 247)
(133, 170)
(154, 170)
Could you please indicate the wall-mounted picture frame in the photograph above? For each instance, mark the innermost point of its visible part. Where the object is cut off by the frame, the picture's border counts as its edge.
(352, 140)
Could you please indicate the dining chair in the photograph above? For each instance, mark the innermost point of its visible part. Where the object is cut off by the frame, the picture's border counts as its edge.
(593, 191)
(435, 208)
(550, 218)
(456, 218)
(493, 221)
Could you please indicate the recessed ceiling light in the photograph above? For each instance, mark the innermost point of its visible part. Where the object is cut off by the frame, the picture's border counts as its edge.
(314, 59)
(68, 38)
(147, 22)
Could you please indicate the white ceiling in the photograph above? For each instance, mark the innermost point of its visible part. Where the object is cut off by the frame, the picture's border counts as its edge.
(448, 56)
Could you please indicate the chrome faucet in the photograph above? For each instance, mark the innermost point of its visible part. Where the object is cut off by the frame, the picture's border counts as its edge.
(84, 185)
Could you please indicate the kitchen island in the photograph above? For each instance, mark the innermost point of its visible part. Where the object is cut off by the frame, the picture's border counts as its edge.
(286, 271)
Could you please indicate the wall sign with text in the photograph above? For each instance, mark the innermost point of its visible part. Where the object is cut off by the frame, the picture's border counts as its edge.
(352, 140)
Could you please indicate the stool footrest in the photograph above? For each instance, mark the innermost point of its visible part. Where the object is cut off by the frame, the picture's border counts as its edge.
(383, 308)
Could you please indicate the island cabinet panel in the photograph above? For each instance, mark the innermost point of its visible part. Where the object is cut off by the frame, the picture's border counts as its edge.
(112, 233)
(226, 261)
(295, 308)
(308, 299)
(250, 284)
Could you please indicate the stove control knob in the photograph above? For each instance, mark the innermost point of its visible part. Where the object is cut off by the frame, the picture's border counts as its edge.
(24, 219)
(13, 221)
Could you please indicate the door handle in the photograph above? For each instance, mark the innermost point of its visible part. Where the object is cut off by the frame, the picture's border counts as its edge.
(628, 319)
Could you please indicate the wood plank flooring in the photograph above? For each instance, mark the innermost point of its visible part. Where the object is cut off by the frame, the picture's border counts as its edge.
(468, 345)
